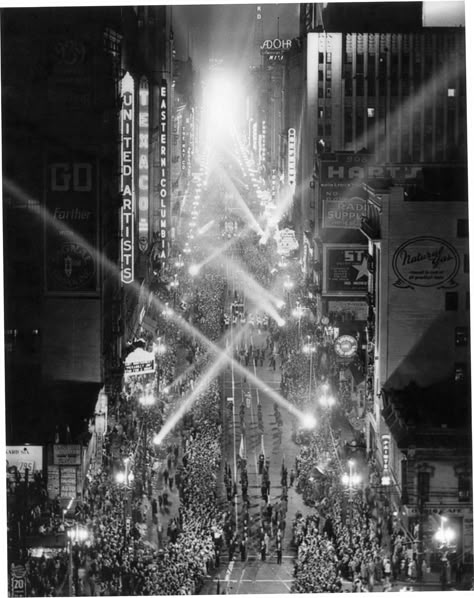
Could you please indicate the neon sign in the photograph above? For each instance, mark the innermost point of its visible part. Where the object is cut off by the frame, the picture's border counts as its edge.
(161, 251)
(143, 145)
(126, 184)
(291, 156)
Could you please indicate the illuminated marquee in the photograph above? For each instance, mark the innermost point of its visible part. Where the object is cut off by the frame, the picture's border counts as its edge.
(143, 175)
(291, 156)
(385, 459)
(163, 173)
(127, 162)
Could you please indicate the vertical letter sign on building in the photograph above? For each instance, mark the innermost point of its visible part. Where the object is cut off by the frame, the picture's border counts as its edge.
(143, 144)
(163, 172)
(127, 163)
(291, 156)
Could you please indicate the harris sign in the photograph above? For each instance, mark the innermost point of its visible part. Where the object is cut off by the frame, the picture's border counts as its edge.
(426, 262)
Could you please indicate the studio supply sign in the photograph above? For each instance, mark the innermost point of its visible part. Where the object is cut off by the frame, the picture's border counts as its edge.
(426, 262)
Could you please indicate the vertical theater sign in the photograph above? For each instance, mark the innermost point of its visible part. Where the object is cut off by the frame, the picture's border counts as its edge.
(143, 166)
(127, 224)
(159, 251)
(291, 156)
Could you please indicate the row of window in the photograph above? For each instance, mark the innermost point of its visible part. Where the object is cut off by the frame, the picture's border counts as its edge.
(451, 301)
(424, 486)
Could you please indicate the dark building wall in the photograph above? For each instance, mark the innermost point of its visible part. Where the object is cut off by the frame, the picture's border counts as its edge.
(59, 114)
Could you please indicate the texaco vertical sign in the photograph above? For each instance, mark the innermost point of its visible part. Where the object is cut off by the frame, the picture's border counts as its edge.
(127, 224)
(143, 175)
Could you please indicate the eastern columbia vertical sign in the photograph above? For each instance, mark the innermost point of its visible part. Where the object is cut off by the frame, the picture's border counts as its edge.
(162, 180)
(127, 163)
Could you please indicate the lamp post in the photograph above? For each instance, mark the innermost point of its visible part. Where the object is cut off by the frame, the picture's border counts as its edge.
(445, 537)
(309, 349)
(174, 284)
(298, 313)
(146, 401)
(351, 480)
(288, 284)
(76, 535)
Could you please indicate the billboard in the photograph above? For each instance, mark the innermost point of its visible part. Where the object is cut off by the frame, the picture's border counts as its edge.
(25, 457)
(71, 223)
(345, 270)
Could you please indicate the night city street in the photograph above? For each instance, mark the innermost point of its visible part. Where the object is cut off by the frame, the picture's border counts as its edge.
(236, 299)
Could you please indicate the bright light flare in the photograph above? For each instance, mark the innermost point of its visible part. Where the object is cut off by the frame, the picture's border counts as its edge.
(308, 421)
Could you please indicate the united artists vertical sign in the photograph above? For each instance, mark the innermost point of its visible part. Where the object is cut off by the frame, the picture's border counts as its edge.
(127, 163)
(143, 145)
(163, 184)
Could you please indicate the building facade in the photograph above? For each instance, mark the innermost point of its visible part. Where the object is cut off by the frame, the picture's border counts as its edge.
(418, 360)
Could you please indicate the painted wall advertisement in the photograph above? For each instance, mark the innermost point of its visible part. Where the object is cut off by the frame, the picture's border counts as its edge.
(71, 223)
(426, 262)
(345, 270)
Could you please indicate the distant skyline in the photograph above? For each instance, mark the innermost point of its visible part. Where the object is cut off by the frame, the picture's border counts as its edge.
(227, 30)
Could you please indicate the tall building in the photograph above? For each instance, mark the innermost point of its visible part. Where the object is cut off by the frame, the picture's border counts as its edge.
(418, 360)
(60, 103)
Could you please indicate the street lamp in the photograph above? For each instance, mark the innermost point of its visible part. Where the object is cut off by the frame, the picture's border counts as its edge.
(179, 262)
(309, 349)
(288, 284)
(308, 421)
(76, 535)
(167, 310)
(352, 479)
(445, 535)
(146, 401)
(298, 313)
(174, 284)
(159, 347)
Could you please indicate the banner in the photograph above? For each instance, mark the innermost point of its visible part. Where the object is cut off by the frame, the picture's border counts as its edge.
(345, 270)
